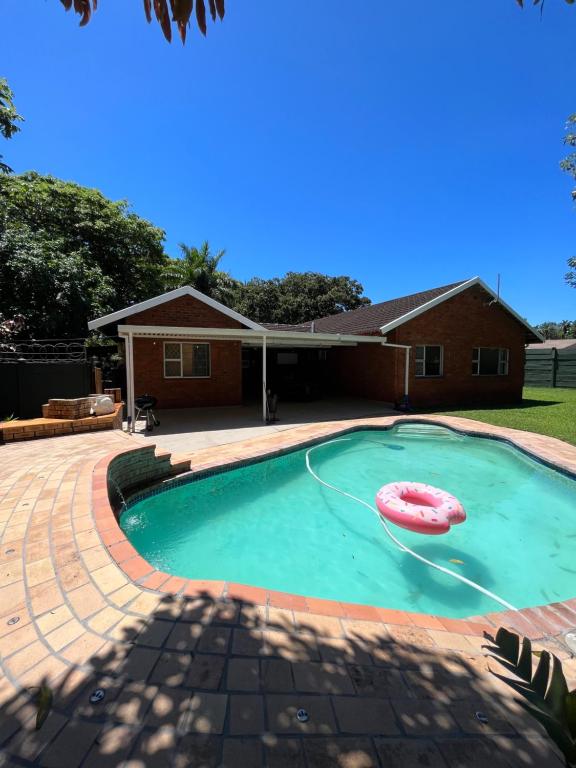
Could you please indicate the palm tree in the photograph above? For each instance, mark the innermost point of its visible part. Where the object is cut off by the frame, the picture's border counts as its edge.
(198, 267)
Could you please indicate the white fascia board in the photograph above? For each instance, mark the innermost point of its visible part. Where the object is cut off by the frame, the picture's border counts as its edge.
(185, 290)
(448, 295)
(242, 334)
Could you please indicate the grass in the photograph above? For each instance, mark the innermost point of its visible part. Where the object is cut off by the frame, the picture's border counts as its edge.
(545, 411)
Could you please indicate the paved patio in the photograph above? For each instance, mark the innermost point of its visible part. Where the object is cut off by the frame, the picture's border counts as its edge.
(216, 680)
(189, 429)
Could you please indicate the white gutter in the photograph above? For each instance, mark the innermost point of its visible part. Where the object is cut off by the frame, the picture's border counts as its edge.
(242, 334)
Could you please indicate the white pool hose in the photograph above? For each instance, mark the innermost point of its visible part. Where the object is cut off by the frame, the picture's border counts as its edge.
(396, 541)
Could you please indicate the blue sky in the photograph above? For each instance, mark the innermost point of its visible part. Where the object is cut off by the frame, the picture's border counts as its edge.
(405, 144)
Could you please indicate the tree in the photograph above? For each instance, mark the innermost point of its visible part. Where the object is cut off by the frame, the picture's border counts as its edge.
(569, 165)
(68, 254)
(565, 329)
(166, 11)
(199, 268)
(298, 297)
(9, 118)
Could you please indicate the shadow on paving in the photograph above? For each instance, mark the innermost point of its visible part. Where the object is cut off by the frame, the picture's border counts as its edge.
(206, 684)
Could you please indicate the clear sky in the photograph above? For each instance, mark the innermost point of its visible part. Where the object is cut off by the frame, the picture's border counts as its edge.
(407, 144)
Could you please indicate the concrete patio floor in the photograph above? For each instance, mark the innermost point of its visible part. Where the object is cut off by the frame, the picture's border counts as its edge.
(190, 429)
(215, 680)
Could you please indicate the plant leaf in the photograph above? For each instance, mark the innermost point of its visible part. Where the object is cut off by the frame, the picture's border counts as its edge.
(557, 733)
(544, 695)
(508, 645)
(557, 690)
(220, 8)
(212, 5)
(148, 10)
(181, 12)
(540, 679)
(44, 699)
(161, 11)
(524, 668)
(571, 713)
(201, 16)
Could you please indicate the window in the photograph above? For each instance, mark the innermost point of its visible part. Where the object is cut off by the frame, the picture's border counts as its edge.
(186, 361)
(429, 361)
(488, 361)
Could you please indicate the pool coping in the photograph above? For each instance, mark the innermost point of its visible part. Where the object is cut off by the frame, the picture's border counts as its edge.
(535, 622)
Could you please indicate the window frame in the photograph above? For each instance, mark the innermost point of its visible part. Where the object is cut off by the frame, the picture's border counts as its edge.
(503, 361)
(423, 360)
(181, 359)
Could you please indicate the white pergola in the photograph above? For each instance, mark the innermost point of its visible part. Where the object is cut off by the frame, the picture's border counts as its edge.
(249, 337)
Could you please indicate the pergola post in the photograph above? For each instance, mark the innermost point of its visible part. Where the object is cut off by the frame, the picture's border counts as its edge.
(131, 413)
(264, 399)
(407, 372)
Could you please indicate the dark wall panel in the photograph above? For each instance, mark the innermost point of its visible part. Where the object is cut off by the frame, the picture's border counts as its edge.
(25, 387)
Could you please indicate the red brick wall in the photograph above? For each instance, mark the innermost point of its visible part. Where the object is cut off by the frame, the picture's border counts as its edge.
(363, 371)
(184, 311)
(458, 324)
(224, 387)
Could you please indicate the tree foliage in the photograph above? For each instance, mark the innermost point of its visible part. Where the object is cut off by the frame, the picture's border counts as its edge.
(9, 118)
(298, 297)
(569, 165)
(180, 12)
(166, 12)
(541, 3)
(565, 329)
(68, 254)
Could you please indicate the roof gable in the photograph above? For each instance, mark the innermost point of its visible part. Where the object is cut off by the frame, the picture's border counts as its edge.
(374, 316)
(387, 315)
(156, 301)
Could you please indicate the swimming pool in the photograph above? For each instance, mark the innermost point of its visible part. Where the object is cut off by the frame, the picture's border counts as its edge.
(271, 524)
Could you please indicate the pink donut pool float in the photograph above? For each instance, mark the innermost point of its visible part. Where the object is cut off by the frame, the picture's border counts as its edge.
(419, 508)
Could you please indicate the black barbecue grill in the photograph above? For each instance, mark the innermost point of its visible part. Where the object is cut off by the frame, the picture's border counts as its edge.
(146, 404)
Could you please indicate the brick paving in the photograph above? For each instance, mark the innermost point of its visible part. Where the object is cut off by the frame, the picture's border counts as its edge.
(201, 676)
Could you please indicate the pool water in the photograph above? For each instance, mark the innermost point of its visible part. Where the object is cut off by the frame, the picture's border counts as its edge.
(271, 524)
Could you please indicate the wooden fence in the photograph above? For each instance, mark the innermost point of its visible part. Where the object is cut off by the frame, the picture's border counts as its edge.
(550, 368)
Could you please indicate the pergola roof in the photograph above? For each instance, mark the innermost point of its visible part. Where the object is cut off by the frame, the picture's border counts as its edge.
(251, 337)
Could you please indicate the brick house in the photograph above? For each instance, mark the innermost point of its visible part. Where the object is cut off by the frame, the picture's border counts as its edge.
(457, 344)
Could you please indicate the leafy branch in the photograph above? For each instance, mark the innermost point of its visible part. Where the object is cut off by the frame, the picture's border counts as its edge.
(541, 2)
(544, 693)
(569, 165)
(166, 12)
(9, 118)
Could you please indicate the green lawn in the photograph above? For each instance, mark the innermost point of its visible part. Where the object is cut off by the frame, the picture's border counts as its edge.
(547, 411)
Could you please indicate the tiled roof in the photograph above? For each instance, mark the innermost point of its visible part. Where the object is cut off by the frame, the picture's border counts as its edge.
(373, 317)
(557, 343)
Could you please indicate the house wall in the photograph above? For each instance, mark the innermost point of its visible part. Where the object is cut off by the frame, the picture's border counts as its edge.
(458, 324)
(223, 387)
(363, 371)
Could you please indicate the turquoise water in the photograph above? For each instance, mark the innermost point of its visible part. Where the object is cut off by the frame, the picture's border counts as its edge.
(272, 525)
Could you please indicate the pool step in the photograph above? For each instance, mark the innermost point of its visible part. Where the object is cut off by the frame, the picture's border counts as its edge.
(413, 429)
(132, 471)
